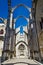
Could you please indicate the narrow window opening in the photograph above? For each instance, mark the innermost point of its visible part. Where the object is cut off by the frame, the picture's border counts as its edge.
(41, 23)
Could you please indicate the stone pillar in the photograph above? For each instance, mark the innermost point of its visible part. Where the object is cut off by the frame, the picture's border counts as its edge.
(11, 18)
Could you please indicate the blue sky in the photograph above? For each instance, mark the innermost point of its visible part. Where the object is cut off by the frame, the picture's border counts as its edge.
(26, 2)
(19, 11)
(4, 6)
(21, 22)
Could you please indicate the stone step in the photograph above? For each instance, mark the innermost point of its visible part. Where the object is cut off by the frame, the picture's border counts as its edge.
(21, 61)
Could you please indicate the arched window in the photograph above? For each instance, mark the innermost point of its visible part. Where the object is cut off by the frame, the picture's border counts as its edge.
(21, 22)
(41, 23)
(1, 31)
(1, 21)
(21, 49)
(21, 10)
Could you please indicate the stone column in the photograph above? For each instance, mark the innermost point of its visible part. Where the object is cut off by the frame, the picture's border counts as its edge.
(11, 17)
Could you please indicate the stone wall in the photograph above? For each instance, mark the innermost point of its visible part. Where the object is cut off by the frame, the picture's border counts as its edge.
(39, 14)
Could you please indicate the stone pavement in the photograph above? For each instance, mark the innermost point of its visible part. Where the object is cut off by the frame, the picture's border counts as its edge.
(21, 61)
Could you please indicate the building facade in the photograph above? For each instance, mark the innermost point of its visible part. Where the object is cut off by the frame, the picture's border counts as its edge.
(26, 45)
